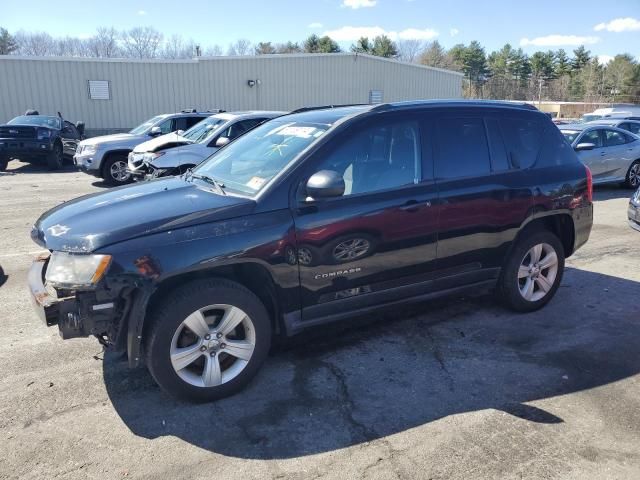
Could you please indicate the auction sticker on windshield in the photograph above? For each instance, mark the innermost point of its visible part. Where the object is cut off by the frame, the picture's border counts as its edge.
(256, 182)
(302, 132)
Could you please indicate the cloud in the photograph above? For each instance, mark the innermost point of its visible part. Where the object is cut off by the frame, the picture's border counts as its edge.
(617, 25)
(604, 59)
(453, 32)
(348, 33)
(355, 4)
(142, 12)
(315, 25)
(559, 40)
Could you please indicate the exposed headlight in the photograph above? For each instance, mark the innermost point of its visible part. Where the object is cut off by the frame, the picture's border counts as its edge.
(43, 134)
(149, 157)
(89, 149)
(76, 270)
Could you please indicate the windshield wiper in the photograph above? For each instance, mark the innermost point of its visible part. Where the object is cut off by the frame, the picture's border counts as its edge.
(205, 178)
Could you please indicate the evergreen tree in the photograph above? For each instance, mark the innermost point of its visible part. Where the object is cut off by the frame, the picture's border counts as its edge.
(8, 44)
(383, 46)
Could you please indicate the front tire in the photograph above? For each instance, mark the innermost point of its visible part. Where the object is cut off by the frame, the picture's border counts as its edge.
(632, 180)
(55, 157)
(115, 171)
(533, 272)
(207, 340)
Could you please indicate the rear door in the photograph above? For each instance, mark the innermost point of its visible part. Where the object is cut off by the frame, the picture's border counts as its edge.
(481, 162)
(377, 242)
(619, 153)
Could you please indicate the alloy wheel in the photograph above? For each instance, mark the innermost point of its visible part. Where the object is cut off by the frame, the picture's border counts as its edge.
(537, 272)
(634, 175)
(119, 171)
(351, 249)
(212, 345)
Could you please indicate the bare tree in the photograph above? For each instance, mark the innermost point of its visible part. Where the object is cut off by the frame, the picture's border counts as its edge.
(71, 47)
(240, 47)
(409, 50)
(38, 44)
(104, 43)
(142, 42)
(213, 51)
(176, 47)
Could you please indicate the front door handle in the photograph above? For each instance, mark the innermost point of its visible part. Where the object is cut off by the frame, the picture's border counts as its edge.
(414, 205)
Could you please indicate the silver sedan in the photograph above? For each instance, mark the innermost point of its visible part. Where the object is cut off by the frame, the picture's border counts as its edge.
(612, 154)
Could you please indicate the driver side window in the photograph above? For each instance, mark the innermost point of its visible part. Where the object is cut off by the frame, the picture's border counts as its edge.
(166, 126)
(377, 158)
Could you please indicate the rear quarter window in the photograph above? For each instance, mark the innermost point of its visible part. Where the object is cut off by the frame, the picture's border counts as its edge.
(555, 149)
(522, 137)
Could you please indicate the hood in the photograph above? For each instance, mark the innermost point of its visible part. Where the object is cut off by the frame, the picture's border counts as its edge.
(94, 221)
(191, 154)
(116, 140)
(161, 142)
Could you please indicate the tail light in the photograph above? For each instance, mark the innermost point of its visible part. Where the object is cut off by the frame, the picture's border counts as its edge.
(589, 184)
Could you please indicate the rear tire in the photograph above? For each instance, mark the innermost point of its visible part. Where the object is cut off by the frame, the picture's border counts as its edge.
(533, 271)
(55, 157)
(187, 364)
(632, 180)
(3, 164)
(114, 171)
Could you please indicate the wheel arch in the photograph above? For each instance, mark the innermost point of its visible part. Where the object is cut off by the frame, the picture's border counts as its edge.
(107, 156)
(251, 275)
(559, 223)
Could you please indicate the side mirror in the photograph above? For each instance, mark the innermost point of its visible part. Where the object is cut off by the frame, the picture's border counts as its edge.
(80, 128)
(585, 146)
(155, 131)
(179, 132)
(222, 141)
(325, 184)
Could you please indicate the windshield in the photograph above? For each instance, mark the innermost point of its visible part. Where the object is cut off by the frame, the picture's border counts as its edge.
(570, 135)
(41, 121)
(591, 117)
(247, 164)
(203, 130)
(144, 127)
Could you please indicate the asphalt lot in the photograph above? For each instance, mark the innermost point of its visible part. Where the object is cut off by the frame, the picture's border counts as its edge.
(457, 388)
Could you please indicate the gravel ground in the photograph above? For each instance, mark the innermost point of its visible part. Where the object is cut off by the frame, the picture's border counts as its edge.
(457, 388)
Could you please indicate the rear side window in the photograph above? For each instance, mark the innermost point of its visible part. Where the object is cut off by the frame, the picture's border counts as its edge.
(462, 148)
(523, 137)
(634, 128)
(613, 138)
(556, 150)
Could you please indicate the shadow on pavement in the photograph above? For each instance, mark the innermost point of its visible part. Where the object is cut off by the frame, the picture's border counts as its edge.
(340, 387)
(3, 276)
(610, 192)
(37, 167)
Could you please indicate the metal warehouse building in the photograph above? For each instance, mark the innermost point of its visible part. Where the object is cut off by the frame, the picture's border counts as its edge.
(116, 94)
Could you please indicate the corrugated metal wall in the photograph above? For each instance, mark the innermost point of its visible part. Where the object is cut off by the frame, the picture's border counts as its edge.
(141, 89)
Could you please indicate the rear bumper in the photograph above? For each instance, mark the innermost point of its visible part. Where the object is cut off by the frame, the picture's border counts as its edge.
(582, 223)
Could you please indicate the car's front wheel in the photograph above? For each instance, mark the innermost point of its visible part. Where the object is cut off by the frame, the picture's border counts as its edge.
(532, 274)
(55, 157)
(115, 170)
(207, 340)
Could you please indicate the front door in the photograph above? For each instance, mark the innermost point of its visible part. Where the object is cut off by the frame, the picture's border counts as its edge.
(70, 138)
(377, 242)
(594, 159)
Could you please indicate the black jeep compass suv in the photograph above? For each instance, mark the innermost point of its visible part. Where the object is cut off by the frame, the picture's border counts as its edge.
(309, 218)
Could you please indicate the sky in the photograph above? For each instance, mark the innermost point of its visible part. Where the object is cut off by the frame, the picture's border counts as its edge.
(606, 28)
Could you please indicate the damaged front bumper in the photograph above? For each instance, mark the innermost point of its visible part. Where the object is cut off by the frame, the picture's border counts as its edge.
(77, 314)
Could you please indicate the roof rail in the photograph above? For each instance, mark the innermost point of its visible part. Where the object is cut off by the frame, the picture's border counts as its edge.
(188, 110)
(324, 107)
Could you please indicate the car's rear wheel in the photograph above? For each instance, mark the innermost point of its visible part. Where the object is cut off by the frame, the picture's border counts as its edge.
(207, 340)
(115, 170)
(4, 162)
(55, 157)
(632, 179)
(532, 274)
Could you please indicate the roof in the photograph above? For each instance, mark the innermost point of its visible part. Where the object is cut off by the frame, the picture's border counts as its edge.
(248, 114)
(266, 57)
(612, 121)
(329, 115)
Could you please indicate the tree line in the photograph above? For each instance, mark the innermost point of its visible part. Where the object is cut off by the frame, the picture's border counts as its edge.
(507, 73)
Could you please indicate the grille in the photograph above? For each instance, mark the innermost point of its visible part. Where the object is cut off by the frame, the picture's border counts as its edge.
(9, 131)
